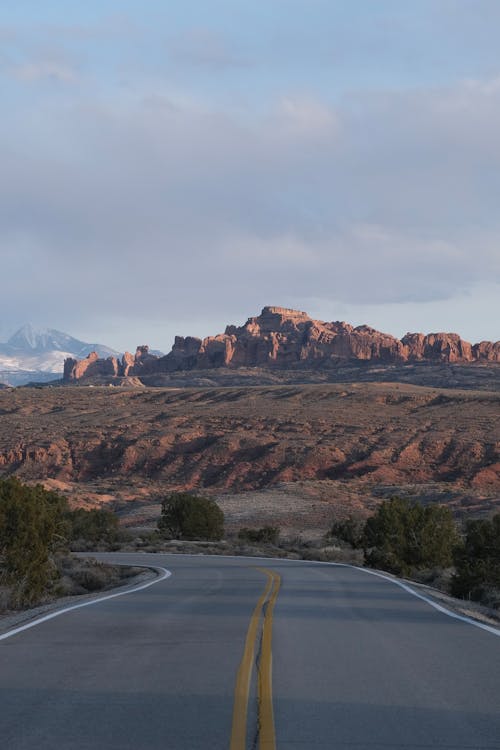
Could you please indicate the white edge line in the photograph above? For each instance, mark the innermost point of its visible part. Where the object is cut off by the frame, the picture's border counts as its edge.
(164, 574)
(463, 618)
(396, 581)
(439, 607)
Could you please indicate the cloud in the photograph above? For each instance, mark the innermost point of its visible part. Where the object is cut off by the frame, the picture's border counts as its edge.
(159, 208)
(205, 48)
(44, 69)
(306, 114)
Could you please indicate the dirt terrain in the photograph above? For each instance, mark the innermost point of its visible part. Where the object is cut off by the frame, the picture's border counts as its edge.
(302, 452)
(471, 376)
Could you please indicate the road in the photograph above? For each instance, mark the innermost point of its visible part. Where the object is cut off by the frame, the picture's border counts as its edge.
(346, 660)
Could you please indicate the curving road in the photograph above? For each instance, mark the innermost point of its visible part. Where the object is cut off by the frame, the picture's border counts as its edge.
(346, 660)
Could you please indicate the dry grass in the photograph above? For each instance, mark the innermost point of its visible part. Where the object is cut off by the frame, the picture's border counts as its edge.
(76, 577)
(83, 576)
(293, 547)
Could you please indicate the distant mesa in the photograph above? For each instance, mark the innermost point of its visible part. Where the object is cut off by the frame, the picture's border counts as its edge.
(286, 339)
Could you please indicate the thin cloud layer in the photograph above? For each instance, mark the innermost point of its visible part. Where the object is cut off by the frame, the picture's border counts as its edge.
(149, 202)
(204, 47)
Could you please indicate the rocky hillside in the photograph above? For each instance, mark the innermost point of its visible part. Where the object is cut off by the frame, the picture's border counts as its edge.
(285, 339)
(228, 439)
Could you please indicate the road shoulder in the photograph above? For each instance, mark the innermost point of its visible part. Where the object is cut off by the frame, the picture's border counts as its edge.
(16, 618)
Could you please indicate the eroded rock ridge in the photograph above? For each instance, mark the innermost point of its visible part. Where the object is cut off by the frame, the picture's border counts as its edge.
(284, 338)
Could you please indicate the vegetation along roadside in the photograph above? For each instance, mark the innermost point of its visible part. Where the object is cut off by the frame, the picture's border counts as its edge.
(38, 532)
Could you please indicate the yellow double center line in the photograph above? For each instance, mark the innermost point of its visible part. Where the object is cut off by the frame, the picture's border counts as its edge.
(267, 737)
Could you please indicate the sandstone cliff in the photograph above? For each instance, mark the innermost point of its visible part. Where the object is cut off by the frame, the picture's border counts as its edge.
(284, 338)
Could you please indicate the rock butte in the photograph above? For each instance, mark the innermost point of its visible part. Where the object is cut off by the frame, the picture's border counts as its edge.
(283, 338)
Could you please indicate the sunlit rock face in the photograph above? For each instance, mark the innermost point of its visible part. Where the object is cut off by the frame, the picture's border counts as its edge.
(281, 337)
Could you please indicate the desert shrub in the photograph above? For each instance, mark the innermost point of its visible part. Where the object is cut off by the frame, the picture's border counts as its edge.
(349, 530)
(188, 516)
(32, 525)
(477, 562)
(4, 599)
(95, 526)
(79, 576)
(91, 579)
(264, 535)
(402, 536)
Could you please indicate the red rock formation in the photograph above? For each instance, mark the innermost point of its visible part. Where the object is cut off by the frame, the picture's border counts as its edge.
(440, 347)
(91, 366)
(487, 351)
(144, 362)
(128, 362)
(281, 337)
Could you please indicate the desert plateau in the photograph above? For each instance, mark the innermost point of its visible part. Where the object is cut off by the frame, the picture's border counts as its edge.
(295, 455)
(286, 420)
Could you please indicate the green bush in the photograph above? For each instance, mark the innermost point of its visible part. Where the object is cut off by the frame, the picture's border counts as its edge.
(350, 530)
(264, 535)
(187, 516)
(477, 562)
(32, 525)
(96, 526)
(402, 537)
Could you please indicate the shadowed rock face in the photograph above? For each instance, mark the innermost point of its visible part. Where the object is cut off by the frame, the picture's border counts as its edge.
(281, 338)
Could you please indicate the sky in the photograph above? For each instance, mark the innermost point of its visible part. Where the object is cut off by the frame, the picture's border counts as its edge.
(170, 168)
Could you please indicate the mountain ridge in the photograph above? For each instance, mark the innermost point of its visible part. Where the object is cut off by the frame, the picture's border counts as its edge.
(41, 340)
(38, 354)
(288, 339)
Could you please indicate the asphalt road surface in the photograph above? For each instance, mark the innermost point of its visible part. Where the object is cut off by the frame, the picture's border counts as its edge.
(233, 654)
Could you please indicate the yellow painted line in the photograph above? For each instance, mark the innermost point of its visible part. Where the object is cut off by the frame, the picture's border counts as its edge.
(242, 688)
(267, 734)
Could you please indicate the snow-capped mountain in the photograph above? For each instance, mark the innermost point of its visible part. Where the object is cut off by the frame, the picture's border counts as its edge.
(42, 340)
(36, 354)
